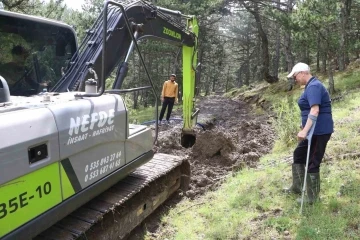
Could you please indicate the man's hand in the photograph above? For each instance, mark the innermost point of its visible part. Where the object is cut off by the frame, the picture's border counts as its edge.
(176, 101)
(302, 135)
(162, 99)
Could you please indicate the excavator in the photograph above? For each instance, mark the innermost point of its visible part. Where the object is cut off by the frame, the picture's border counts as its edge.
(71, 164)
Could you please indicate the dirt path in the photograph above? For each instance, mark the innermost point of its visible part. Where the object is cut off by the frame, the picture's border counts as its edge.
(234, 137)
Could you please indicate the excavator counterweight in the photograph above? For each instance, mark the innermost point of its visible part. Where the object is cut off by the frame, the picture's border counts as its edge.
(70, 161)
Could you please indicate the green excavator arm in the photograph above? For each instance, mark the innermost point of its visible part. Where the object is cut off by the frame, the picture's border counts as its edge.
(189, 81)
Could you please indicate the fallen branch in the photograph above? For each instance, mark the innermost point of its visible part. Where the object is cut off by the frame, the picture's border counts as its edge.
(343, 156)
(196, 204)
(327, 158)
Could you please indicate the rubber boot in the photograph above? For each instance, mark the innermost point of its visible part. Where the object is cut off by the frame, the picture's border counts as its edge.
(298, 174)
(312, 188)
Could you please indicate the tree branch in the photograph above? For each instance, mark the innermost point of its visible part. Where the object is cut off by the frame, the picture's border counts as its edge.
(10, 5)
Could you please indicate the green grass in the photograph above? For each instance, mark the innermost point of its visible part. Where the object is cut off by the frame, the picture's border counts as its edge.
(141, 115)
(346, 137)
(251, 205)
(138, 116)
(287, 122)
(347, 80)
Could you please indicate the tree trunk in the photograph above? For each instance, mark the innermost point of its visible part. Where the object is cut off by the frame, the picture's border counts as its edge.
(214, 80)
(169, 70)
(277, 50)
(331, 77)
(176, 65)
(227, 80)
(318, 50)
(341, 57)
(307, 55)
(139, 69)
(264, 44)
(207, 87)
(255, 66)
(323, 64)
(135, 100)
(344, 31)
(287, 41)
(146, 95)
(341, 53)
(348, 6)
(323, 58)
(247, 70)
(239, 78)
(247, 61)
(284, 64)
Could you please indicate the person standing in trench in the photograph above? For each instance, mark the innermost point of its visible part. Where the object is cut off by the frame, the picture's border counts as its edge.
(169, 96)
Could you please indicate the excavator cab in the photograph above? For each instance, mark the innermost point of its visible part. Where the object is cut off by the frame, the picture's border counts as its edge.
(33, 53)
(65, 138)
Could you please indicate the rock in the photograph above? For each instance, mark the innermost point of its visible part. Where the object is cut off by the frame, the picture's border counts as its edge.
(238, 166)
(203, 181)
(244, 149)
(190, 194)
(251, 157)
(209, 173)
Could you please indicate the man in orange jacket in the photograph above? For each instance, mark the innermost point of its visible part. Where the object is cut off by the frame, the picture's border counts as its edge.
(169, 96)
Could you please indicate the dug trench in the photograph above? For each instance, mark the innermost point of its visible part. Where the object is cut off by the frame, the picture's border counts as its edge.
(232, 135)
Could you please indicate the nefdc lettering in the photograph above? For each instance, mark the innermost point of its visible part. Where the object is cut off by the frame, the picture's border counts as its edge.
(88, 121)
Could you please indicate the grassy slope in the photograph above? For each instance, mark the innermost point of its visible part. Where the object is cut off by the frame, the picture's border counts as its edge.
(250, 205)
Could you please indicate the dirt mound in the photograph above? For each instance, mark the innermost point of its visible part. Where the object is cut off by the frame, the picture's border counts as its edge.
(169, 140)
(208, 145)
(234, 137)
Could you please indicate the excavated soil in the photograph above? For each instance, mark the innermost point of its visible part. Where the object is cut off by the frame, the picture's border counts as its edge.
(229, 136)
(234, 137)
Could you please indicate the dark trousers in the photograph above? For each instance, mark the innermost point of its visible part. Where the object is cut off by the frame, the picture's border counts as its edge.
(317, 151)
(168, 103)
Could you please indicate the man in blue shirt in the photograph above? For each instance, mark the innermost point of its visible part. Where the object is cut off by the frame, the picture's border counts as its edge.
(315, 106)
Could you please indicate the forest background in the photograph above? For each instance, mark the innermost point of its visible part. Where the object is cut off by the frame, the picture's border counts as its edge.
(241, 43)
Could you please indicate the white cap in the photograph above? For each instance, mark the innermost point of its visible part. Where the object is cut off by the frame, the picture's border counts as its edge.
(299, 67)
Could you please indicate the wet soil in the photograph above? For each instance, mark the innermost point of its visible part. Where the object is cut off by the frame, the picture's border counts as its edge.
(231, 136)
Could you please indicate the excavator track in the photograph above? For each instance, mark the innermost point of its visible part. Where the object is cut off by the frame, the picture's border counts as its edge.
(118, 210)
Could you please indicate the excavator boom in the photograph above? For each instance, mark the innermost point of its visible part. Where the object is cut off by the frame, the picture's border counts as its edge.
(145, 19)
